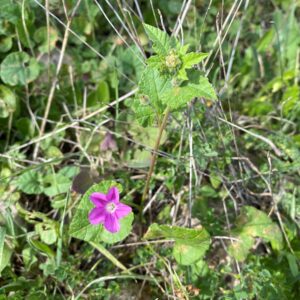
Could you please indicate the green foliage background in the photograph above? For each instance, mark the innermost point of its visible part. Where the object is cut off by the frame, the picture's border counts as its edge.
(82, 96)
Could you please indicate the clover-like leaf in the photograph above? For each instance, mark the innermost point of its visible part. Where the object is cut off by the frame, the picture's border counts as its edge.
(30, 182)
(18, 68)
(56, 184)
(47, 232)
(41, 37)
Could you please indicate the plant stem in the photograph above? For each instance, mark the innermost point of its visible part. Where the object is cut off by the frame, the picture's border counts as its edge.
(154, 154)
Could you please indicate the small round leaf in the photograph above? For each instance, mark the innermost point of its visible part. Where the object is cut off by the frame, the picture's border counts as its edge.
(8, 101)
(18, 68)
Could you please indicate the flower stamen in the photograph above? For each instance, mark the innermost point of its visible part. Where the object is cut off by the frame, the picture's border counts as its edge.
(110, 207)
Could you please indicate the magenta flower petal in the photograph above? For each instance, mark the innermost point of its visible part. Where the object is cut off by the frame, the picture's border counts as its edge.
(97, 216)
(108, 210)
(98, 199)
(122, 210)
(111, 223)
(113, 195)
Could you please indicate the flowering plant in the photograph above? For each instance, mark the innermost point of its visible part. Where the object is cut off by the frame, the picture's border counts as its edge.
(108, 210)
(100, 216)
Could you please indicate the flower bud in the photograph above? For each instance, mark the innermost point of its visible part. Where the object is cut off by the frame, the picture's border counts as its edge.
(172, 60)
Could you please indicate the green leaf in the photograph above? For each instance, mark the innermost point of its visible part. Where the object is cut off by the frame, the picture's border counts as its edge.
(155, 61)
(144, 114)
(49, 267)
(69, 171)
(100, 96)
(30, 182)
(81, 228)
(8, 101)
(5, 43)
(256, 223)
(192, 58)
(9, 11)
(53, 152)
(190, 244)
(41, 37)
(188, 61)
(149, 106)
(293, 264)
(47, 233)
(41, 247)
(183, 49)
(152, 84)
(19, 68)
(187, 255)
(56, 184)
(162, 43)
(25, 128)
(28, 257)
(240, 248)
(146, 136)
(179, 96)
(265, 42)
(253, 223)
(141, 159)
(5, 251)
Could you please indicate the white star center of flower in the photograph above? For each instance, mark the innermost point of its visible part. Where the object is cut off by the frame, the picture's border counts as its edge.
(110, 207)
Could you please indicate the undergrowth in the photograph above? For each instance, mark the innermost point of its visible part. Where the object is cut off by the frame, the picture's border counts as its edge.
(189, 110)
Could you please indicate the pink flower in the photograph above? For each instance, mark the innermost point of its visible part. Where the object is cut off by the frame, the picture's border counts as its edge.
(108, 210)
(108, 143)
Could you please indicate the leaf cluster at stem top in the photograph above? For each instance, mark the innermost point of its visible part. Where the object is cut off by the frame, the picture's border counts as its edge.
(168, 80)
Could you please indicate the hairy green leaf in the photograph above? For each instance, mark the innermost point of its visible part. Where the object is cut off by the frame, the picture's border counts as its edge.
(188, 61)
(193, 58)
(162, 43)
(149, 106)
(190, 243)
(153, 84)
(253, 223)
(179, 96)
(240, 248)
(144, 113)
